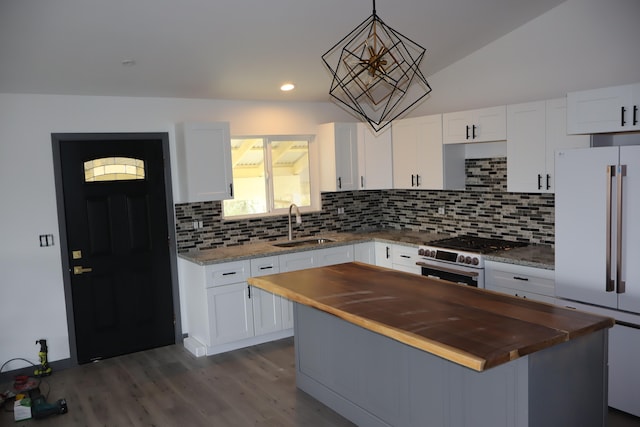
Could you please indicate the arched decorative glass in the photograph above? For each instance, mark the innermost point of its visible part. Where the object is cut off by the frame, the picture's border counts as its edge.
(113, 169)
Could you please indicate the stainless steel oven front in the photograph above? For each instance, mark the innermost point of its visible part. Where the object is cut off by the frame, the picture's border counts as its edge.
(457, 267)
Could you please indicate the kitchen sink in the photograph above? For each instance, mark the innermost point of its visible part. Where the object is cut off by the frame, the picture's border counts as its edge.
(305, 242)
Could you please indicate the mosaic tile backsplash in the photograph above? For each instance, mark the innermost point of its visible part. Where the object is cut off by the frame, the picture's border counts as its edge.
(485, 209)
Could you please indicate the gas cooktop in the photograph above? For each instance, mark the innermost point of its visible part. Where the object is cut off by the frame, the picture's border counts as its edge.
(477, 244)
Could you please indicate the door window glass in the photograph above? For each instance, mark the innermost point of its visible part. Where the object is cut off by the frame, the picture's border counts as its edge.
(113, 169)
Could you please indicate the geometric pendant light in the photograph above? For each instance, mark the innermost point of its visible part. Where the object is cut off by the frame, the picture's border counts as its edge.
(376, 72)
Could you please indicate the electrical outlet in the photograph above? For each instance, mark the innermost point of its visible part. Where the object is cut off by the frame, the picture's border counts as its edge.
(340, 211)
(441, 210)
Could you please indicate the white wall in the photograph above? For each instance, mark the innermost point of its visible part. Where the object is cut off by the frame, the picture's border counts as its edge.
(578, 45)
(32, 302)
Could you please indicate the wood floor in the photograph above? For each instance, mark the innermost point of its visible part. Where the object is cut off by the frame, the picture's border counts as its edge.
(169, 387)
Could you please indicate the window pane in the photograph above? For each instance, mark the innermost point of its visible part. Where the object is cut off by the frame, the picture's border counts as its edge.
(113, 169)
(249, 188)
(290, 163)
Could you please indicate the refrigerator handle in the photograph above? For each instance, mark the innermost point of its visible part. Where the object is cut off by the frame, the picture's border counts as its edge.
(610, 284)
(620, 288)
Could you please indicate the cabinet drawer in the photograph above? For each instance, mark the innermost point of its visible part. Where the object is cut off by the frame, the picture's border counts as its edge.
(520, 278)
(264, 266)
(522, 294)
(227, 273)
(404, 255)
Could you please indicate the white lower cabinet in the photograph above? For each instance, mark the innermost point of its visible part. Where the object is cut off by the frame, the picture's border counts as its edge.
(404, 258)
(383, 252)
(365, 252)
(267, 307)
(537, 284)
(230, 313)
(225, 313)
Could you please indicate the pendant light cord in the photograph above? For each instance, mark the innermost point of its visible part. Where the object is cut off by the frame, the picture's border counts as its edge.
(374, 7)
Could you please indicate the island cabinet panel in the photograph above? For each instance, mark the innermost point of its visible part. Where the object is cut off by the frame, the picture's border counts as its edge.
(376, 381)
(372, 342)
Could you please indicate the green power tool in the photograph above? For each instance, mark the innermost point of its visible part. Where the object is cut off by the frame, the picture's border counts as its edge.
(44, 369)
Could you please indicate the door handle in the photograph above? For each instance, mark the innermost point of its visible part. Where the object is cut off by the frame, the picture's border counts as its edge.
(610, 286)
(620, 284)
(81, 270)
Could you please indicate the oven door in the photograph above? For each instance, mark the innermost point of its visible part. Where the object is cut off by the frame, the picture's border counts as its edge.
(453, 273)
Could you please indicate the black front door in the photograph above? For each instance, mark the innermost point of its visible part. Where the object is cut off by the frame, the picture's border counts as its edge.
(117, 235)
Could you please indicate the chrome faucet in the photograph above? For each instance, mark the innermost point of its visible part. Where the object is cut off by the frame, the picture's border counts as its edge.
(298, 219)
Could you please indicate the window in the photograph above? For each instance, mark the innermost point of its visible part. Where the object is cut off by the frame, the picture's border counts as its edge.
(269, 174)
(113, 169)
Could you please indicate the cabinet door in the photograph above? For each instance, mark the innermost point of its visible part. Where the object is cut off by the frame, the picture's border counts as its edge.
(526, 156)
(418, 161)
(267, 311)
(491, 124)
(607, 109)
(267, 307)
(375, 165)
(230, 313)
(384, 255)
(557, 137)
(405, 142)
(455, 127)
(204, 162)
(482, 125)
(365, 252)
(338, 144)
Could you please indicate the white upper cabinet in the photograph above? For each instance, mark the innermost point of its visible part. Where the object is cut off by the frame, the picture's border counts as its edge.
(535, 131)
(526, 146)
(375, 166)
(338, 143)
(482, 125)
(204, 162)
(610, 109)
(420, 162)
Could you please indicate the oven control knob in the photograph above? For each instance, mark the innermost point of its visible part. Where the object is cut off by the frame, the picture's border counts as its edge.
(461, 259)
(475, 261)
(422, 252)
(467, 260)
(432, 254)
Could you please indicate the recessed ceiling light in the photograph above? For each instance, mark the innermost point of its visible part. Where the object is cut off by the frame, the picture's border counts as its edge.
(287, 87)
(129, 62)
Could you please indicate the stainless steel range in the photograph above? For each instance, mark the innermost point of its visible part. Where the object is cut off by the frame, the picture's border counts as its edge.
(460, 259)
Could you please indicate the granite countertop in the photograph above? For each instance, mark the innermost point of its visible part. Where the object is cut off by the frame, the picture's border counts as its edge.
(532, 255)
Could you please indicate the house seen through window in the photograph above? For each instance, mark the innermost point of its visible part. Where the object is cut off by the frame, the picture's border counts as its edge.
(269, 174)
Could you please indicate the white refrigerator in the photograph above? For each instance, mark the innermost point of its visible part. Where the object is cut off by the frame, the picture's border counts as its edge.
(597, 252)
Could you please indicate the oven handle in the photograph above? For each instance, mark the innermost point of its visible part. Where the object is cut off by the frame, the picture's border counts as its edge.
(471, 274)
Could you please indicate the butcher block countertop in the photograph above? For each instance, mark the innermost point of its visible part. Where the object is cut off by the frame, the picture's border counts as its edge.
(472, 327)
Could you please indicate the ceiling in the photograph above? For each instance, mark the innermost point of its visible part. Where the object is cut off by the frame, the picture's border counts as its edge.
(223, 49)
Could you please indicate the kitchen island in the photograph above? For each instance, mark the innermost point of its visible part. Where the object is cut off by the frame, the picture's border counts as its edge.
(383, 347)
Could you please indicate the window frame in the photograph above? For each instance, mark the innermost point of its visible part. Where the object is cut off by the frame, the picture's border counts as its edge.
(314, 176)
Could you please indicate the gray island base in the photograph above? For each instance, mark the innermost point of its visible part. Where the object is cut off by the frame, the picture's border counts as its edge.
(374, 380)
